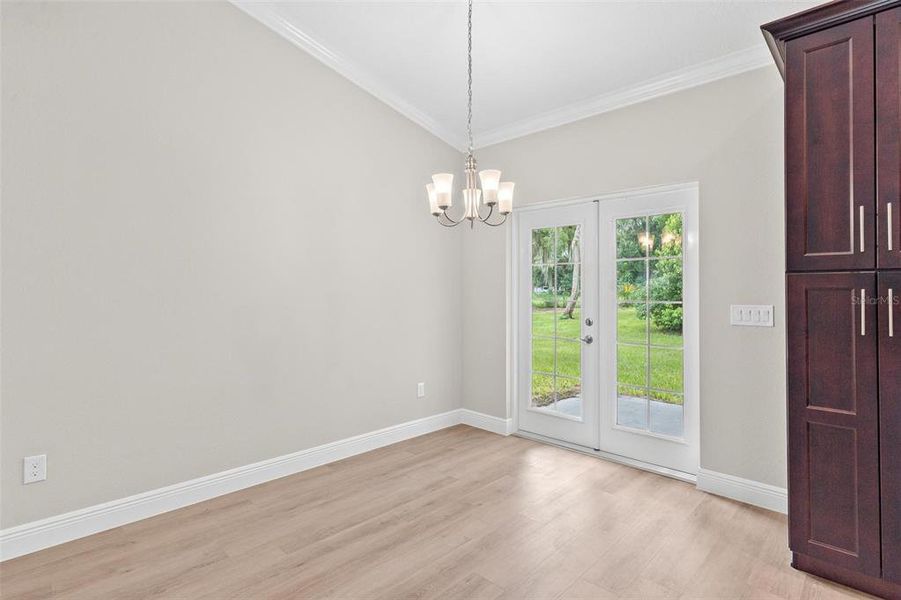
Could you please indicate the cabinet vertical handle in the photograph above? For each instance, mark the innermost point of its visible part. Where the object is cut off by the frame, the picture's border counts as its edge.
(891, 312)
(888, 217)
(863, 311)
(860, 220)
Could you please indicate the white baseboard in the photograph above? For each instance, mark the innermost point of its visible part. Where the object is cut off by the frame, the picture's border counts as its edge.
(37, 535)
(744, 490)
(487, 422)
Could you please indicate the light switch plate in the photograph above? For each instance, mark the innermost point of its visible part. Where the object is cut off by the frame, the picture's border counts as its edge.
(751, 315)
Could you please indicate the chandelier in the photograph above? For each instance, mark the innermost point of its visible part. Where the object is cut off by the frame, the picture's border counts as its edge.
(495, 194)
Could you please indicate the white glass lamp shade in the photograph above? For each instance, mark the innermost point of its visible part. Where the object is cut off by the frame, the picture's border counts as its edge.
(491, 178)
(471, 198)
(505, 197)
(444, 188)
(433, 199)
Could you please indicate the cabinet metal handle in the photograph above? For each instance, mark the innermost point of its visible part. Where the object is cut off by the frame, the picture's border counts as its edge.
(863, 312)
(888, 217)
(891, 312)
(862, 245)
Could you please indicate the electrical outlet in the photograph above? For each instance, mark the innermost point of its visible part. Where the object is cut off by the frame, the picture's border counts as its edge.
(35, 468)
(420, 390)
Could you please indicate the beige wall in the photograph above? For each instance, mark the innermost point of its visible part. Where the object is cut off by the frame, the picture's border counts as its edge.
(726, 135)
(215, 251)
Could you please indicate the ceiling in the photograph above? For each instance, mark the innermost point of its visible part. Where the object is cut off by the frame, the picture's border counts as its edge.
(536, 64)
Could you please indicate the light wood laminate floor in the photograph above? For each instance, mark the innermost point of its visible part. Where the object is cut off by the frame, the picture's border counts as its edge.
(456, 514)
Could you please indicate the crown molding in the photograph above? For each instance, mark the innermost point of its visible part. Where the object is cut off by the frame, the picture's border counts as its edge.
(265, 14)
(670, 83)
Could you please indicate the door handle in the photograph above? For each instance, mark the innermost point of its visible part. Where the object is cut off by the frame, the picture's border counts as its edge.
(862, 244)
(888, 217)
(587, 339)
(891, 312)
(863, 311)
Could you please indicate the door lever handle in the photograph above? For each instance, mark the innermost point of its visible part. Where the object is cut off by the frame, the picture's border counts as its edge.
(862, 229)
(587, 339)
(863, 311)
(891, 312)
(888, 217)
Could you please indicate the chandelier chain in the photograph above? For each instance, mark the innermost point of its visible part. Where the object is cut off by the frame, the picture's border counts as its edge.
(469, 66)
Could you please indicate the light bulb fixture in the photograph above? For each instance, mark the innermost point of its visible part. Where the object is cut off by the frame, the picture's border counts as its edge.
(497, 195)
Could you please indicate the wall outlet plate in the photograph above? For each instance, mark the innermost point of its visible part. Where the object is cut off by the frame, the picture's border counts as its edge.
(420, 390)
(751, 315)
(34, 468)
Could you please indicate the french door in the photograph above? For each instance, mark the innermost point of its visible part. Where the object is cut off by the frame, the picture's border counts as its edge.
(558, 306)
(607, 328)
(649, 292)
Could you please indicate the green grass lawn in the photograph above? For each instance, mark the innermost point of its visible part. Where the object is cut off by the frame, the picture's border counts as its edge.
(666, 362)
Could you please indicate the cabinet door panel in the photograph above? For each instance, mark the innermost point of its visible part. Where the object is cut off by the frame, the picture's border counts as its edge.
(830, 162)
(888, 136)
(833, 419)
(890, 421)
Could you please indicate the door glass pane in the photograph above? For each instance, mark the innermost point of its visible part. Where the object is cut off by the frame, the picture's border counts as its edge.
(543, 246)
(668, 328)
(543, 355)
(557, 320)
(632, 407)
(569, 396)
(570, 327)
(569, 358)
(649, 326)
(569, 293)
(666, 369)
(631, 324)
(628, 232)
(631, 281)
(666, 280)
(666, 415)
(665, 231)
(632, 365)
(542, 390)
(569, 244)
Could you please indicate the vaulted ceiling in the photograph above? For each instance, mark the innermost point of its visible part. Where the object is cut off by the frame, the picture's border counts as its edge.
(536, 64)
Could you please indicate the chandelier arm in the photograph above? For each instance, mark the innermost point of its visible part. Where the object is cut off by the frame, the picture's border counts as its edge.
(450, 221)
(504, 220)
(487, 219)
(488, 216)
(451, 224)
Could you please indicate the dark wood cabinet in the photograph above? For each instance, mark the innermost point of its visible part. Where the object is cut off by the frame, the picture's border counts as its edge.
(830, 166)
(890, 420)
(841, 64)
(833, 426)
(888, 142)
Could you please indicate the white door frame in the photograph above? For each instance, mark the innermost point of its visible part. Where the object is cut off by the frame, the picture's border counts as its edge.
(692, 355)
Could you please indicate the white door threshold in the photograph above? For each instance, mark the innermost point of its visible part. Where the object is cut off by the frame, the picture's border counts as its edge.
(623, 460)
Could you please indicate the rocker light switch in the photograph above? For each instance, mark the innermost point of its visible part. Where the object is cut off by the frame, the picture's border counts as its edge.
(751, 315)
